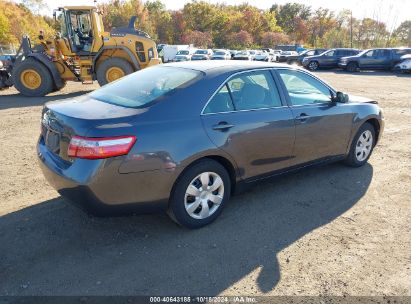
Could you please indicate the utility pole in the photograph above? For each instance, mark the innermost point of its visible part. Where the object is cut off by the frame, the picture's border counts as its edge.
(351, 28)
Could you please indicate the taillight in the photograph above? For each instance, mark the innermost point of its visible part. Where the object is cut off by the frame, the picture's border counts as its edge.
(100, 147)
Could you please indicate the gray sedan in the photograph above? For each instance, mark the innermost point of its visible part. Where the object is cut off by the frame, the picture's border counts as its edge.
(184, 137)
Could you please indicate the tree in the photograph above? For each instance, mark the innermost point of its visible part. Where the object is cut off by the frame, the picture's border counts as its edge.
(239, 40)
(199, 39)
(271, 39)
(403, 33)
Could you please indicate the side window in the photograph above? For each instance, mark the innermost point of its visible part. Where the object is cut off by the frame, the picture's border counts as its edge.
(310, 53)
(221, 102)
(369, 54)
(304, 89)
(254, 90)
(330, 53)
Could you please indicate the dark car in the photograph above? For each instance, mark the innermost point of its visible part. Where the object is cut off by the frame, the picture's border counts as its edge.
(328, 59)
(298, 59)
(374, 59)
(183, 137)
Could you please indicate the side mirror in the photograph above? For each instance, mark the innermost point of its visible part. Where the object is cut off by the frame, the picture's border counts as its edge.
(340, 97)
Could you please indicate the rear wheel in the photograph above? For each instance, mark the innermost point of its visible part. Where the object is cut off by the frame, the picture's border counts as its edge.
(32, 78)
(200, 194)
(313, 66)
(113, 69)
(362, 146)
(352, 67)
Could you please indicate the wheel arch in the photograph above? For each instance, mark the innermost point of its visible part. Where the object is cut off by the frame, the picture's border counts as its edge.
(223, 161)
(43, 59)
(377, 127)
(110, 52)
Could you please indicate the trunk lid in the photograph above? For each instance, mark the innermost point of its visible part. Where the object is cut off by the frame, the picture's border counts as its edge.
(61, 120)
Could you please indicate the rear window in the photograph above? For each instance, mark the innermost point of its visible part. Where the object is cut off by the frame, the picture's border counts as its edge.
(140, 88)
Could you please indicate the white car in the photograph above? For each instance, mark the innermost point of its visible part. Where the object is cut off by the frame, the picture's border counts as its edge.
(264, 56)
(405, 64)
(221, 55)
(184, 55)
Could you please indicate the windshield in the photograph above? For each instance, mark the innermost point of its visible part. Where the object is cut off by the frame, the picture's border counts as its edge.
(202, 52)
(142, 87)
(182, 53)
(219, 53)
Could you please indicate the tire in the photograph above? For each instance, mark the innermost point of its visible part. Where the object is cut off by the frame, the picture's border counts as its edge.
(313, 66)
(180, 200)
(356, 158)
(352, 67)
(32, 78)
(122, 68)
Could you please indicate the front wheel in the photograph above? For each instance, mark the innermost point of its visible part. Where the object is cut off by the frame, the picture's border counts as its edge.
(352, 67)
(362, 146)
(313, 66)
(32, 78)
(200, 194)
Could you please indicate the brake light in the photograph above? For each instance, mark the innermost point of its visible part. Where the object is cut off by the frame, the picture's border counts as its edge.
(97, 148)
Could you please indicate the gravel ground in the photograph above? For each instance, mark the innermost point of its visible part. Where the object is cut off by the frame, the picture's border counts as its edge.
(330, 230)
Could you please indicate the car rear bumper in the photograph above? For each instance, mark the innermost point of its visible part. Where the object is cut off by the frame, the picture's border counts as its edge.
(98, 187)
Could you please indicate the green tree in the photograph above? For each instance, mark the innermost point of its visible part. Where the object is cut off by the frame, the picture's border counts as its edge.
(403, 33)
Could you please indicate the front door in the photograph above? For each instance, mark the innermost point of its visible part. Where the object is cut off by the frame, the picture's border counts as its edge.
(247, 119)
(323, 127)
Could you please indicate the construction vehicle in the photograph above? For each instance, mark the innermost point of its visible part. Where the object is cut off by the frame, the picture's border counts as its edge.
(82, 51)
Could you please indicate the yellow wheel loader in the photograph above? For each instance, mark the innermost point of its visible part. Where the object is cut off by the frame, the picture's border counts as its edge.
(82, 51)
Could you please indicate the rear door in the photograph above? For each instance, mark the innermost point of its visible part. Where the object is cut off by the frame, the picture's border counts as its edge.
(248, 120)
(322, 127)
(329, 59)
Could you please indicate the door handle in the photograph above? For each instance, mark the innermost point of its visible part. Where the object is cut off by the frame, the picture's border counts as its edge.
(302, 117)
(222, 126)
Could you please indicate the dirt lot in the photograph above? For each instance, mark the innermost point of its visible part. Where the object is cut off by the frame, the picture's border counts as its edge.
(324, 231)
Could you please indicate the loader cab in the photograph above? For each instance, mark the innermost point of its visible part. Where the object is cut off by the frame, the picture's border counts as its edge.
(81, 30)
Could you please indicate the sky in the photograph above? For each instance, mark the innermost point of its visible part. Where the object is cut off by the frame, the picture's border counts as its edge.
(392, 12)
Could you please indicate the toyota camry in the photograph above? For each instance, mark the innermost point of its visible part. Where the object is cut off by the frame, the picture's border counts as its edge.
(184, 137)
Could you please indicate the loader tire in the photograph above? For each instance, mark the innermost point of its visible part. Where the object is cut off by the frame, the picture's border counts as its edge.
(113, 69)
(32, 78)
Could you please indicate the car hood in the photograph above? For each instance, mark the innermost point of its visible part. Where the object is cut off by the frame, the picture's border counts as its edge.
(182, 56)
(360, 99)
(261, 56)
(199, 55)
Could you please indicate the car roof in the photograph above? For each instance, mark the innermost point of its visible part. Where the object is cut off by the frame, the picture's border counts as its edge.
(229, 66)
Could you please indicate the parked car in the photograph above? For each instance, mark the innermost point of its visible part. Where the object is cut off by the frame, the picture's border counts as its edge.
(183, 137)
(221, 55)
(285, 54)
(373, 59)
(276, 54)
(243, 55)
(202, 54)
(233, 53)
(298, 59)
(404, 66)
(7, 60)
(328, 59)
(184, 55)
(264, 56)
(169, 51)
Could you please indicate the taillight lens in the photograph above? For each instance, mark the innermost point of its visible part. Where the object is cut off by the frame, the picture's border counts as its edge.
(100, 147)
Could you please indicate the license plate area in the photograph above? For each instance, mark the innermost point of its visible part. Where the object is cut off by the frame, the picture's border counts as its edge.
(52, 140)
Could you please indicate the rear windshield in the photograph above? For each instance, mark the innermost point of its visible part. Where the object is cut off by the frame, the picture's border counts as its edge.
(142, 87)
